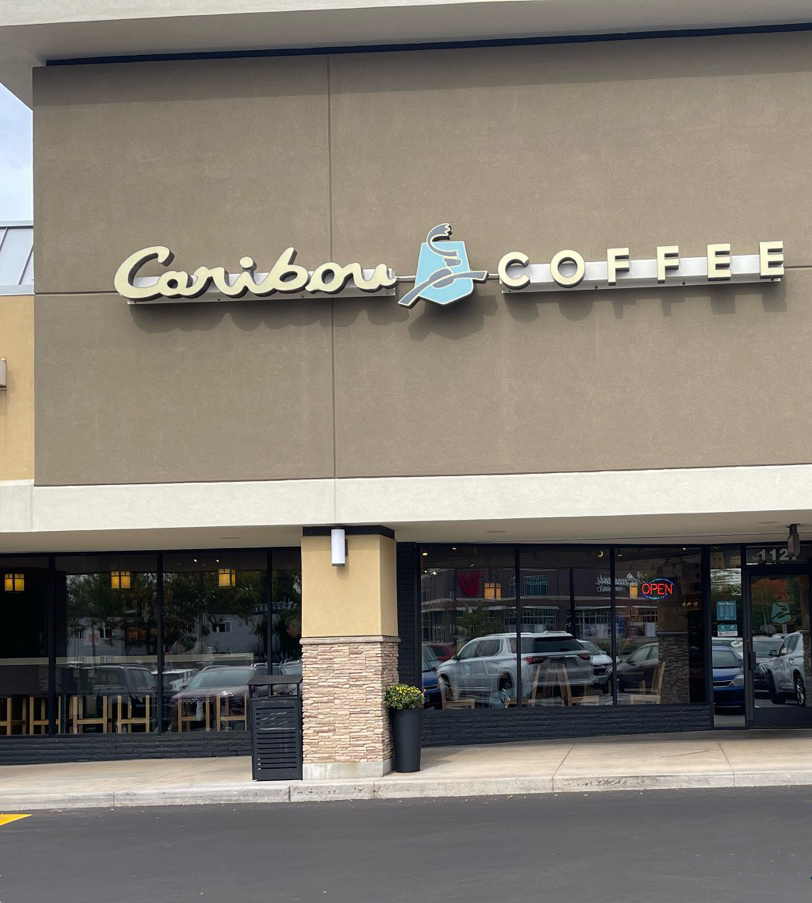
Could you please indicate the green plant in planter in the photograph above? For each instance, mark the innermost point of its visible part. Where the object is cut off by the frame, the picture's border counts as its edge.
(404, 696)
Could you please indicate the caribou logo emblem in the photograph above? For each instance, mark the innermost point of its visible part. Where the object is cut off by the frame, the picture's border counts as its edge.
(443, 272)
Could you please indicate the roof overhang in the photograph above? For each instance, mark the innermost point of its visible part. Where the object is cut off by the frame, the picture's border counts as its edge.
(32, 34)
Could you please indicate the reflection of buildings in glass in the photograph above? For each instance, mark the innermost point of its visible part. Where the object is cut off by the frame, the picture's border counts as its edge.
(450, 602)
(91, 639)
(459, 604)
(227, 634)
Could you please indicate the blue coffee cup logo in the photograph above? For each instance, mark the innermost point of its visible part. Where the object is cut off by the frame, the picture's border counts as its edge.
(443, 272)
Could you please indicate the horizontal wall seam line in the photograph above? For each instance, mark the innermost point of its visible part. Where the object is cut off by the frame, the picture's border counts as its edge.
(452, 476)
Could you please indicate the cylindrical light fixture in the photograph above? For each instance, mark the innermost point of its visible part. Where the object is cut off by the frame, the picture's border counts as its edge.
(338, 547)
(793, 541)
(3, 374)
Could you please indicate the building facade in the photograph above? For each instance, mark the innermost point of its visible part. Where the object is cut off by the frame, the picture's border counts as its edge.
(523, 312)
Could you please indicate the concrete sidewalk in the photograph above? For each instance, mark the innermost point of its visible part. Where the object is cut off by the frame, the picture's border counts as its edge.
(648, 762)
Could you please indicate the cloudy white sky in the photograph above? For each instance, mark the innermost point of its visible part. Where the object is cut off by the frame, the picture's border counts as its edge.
(16, 198)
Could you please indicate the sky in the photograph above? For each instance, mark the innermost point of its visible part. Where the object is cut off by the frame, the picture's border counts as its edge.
(16, 193)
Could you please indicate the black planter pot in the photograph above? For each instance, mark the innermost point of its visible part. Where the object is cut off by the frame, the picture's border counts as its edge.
(407, 736)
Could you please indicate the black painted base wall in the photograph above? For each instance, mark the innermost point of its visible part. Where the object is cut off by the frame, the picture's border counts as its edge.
(453, 727)
(463, 727)
(105, 747)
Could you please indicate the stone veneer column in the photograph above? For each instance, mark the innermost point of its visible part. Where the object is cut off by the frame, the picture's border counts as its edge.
(349, 653)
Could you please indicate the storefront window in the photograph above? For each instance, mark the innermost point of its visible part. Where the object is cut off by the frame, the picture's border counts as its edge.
(286, 631)
(106, 643)
(23, 646)
(727, 632)
(215, 634)
(660, 637)
(566, 592)
(469, 627)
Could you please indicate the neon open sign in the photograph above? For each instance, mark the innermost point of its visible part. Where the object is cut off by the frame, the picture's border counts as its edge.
(658, 589)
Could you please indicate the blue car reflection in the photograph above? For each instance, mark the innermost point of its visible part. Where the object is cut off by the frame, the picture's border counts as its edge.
(728, 677)
(431, 684)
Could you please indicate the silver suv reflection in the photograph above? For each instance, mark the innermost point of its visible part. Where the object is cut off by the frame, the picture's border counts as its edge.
(485, 668)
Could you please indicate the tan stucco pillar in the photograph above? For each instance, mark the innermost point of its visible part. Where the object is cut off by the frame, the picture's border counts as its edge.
(17, 403)
(349, 653)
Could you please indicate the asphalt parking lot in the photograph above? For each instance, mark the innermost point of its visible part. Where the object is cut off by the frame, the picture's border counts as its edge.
(726, 846)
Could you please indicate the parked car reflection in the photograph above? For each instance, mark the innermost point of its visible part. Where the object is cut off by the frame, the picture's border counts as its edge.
(601, 665)
(430, 680)
(215, 699)
(553, 665)
(176, 679)
(784, 672)
(764, 649)
(728, 678)
(637, 670)
(441, 651)
(110, 697)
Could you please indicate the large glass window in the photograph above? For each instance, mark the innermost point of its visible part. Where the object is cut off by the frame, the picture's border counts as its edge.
(572, 663)
(23, 646)
(215, 634)
(106, 643)
(468, 616)
(660, 636)
(727, 632)
(286, 633)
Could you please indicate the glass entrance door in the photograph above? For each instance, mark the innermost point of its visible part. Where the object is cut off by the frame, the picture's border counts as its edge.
(777, 651)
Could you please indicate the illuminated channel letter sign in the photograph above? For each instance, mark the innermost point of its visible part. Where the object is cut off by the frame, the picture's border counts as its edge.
(444, 275)
(661, 588)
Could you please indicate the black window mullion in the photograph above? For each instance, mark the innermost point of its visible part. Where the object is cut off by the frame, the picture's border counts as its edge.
(517, 575)
(613, 616)
(269, 610)
(50, 614)
(159, 639)
(573, 627)
(707, 626)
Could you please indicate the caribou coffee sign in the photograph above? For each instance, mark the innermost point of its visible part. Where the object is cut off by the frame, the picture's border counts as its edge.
(443, 275)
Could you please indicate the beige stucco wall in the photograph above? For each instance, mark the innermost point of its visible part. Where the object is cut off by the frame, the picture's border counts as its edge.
(356, 599)
(355, 157)
(17, 403)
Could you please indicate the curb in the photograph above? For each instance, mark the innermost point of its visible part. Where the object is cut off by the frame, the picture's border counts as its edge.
(265, 792)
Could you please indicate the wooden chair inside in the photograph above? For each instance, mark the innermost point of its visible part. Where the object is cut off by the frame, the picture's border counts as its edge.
(447, 703)
(80, 720)
(547, 678)
(589, 697)
(223, 719)
(184, 718)
(37, 716)
(9, 705)
(652, 695)
(127, 722)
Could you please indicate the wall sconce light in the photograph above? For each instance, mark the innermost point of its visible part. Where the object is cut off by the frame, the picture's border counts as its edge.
(793, 541)
(14, 583)
(120, 579)
(338, 547)
(3, 374)
(227, 577)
